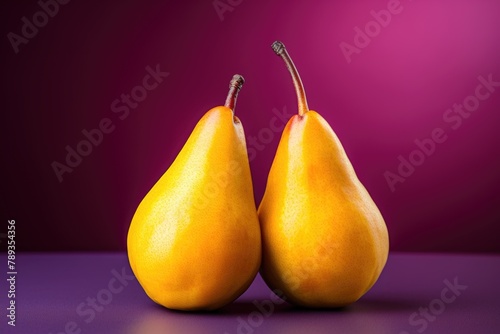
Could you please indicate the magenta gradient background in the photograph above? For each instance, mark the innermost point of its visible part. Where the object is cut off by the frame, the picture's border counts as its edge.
(394, 91)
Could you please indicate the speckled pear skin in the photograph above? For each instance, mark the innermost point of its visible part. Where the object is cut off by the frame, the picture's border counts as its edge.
(325, 242)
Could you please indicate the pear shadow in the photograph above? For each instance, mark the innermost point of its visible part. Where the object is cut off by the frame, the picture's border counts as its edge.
(158, 307)
(234, 308)
(365, 305)
(388, 305)
(304, 309)
(244, 307)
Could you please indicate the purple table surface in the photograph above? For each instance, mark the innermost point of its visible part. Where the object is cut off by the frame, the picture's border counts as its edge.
(96, 293)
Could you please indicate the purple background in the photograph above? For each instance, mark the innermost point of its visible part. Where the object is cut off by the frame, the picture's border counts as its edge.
(395, 90)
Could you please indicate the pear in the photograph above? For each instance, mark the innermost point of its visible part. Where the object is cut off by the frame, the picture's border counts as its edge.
(194, 241)
(324, 241)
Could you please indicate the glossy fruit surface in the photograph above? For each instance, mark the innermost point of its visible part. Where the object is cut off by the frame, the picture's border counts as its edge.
(194, 241)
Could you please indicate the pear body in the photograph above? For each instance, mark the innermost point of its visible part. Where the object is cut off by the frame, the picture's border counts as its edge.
(194, 241)
(324, 241)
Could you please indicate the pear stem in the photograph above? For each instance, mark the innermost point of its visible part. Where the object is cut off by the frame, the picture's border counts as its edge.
(280, 50)
(234, 87)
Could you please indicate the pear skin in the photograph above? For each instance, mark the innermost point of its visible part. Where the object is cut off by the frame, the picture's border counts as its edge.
(194, 242)
(324, 240)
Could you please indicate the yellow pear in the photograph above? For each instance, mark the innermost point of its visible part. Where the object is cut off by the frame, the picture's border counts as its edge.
(194, 241)
(324, 241)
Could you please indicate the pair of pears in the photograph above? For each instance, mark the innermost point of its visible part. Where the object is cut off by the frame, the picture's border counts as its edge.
(197, 241)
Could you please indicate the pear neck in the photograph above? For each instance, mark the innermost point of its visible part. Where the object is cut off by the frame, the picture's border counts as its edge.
(280, 50)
